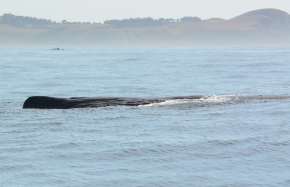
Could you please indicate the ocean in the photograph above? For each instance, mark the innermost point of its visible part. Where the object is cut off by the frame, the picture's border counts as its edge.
(207, 142)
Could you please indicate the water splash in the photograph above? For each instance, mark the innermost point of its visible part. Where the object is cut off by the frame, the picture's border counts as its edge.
(205, 100)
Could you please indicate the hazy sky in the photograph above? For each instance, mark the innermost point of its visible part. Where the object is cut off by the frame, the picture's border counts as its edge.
(99, 11)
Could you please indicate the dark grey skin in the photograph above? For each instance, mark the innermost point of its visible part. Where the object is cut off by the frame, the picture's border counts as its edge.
(44, 102)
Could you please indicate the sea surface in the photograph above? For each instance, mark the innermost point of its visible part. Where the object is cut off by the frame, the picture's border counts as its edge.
(205, 143)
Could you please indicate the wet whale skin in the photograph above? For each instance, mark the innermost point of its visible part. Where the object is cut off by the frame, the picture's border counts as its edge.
(45, 102)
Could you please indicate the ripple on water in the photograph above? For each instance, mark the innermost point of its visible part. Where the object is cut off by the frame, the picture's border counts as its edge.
(208, 142)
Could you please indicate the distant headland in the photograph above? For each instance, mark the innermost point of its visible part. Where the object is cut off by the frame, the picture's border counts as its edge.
(258, 27)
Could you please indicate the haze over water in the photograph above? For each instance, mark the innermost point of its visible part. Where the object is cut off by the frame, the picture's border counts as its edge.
(213, 142)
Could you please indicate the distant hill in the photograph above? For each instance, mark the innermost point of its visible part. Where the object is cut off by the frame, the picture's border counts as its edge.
(214, 20)
(259, 27)
(147, 22)
(270, 14)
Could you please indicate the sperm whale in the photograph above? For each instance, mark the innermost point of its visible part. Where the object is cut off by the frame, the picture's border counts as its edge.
(45, 102)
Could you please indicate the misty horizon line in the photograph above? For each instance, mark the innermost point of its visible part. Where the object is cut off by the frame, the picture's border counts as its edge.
(83, 22)
(64, 21)
(258, 27)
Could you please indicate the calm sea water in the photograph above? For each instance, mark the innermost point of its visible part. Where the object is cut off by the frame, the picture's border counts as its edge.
(211, 142)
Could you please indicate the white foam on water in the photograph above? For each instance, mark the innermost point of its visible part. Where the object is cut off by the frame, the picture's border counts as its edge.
(205, 99)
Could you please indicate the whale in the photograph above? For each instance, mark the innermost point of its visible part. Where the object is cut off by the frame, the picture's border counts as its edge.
(46, 102)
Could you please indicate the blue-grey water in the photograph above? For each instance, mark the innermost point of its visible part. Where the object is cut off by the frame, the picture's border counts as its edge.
(213, 142)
